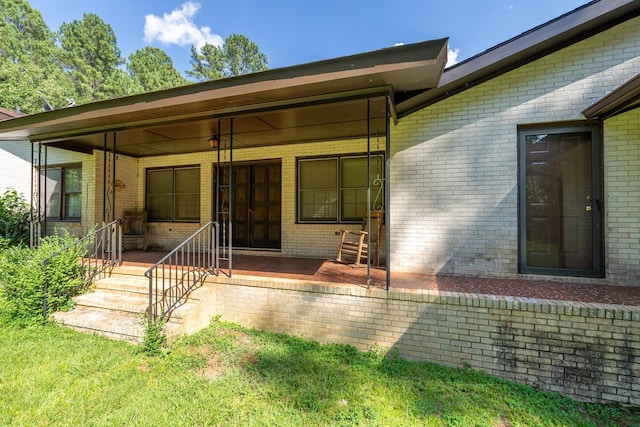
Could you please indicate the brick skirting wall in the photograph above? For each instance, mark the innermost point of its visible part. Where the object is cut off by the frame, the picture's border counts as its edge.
(590, 352)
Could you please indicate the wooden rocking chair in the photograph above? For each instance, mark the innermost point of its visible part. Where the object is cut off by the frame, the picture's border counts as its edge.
(134, 229)
(354, 244)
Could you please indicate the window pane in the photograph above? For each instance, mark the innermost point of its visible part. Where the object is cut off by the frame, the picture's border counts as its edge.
(173, 194)
(160, 181)
(159, 207)
(353, 172)
(73, 206)
(319, 205)
(188, 180)
(54, 189)
(318, 190)
(73, 180)
(187, 207)
(318, 174)
(353, 194)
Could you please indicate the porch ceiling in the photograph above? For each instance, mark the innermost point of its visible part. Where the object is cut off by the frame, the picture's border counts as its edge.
(325, 100)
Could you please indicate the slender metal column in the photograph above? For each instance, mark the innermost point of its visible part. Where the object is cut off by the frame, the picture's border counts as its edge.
(113, 181)
(104, 180)
(218, 176)
(44, 216)
(34, 177)
(368, 193)
(230, 196)
(387, 195)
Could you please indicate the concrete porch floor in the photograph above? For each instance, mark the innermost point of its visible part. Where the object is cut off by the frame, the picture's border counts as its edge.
(329, 271)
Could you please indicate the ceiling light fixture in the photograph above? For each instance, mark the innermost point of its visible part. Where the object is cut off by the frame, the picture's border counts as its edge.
(213, 141)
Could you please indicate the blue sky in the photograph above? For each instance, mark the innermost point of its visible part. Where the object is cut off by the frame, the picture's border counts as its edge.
(293, 32)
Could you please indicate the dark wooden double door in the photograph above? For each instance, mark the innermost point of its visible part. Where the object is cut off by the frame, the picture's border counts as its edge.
(256, 202)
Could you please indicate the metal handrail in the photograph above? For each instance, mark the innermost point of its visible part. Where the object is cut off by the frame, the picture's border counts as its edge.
(183, 269)
(99, 250)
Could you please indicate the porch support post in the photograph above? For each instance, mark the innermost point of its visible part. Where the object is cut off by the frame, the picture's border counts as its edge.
(230, 196)
(104, 180)
(33, 189)
(217, 190)
(368, 193)
(44, 208)
(387, 194)
(113, 181)
(36, 183)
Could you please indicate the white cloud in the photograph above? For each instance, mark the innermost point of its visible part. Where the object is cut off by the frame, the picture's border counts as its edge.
(178, 28)
(452, 57)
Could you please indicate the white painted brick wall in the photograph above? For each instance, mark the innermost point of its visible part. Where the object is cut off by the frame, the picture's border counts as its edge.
(458, 158)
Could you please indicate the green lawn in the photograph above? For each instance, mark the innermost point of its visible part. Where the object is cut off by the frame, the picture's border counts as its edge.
(228, 375)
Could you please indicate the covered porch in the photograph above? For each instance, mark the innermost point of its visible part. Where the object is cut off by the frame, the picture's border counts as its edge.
(200, 153)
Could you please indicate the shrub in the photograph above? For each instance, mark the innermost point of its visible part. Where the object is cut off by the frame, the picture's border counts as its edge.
(154, 338)
(14, 220)
(22, 278)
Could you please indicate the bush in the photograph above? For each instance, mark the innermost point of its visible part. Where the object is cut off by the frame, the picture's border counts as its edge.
(22, 279)
(14, 220)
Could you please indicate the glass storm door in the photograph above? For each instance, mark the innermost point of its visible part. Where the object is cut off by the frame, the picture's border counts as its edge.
(256, 204)
(560, 202)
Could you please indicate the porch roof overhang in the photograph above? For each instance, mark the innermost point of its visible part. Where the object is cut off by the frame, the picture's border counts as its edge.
(325, 100)
(625, 98)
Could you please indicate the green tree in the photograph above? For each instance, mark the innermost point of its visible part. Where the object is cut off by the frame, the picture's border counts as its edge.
(91, 56)
(238, 55)
(29, 63)
(152, 69)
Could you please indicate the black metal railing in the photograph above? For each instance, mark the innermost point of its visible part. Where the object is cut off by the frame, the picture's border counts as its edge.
(98, 251)
(181, 271)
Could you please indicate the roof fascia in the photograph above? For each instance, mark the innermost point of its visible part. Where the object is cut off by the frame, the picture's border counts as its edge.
(616, 102)
(353, 66)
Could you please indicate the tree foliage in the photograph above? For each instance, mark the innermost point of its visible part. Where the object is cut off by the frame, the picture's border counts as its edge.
(82, 61)
(238, 55)
(152, 69)
(91, 55)
(29, 66)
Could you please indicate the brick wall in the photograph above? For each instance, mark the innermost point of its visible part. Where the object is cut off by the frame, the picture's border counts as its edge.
(590, 352)
(622, 197)
(459, 157)
(304, 240)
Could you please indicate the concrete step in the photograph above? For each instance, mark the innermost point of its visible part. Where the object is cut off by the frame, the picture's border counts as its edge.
(111, 324)
(122, 302)
(117, 306)
(125, 283)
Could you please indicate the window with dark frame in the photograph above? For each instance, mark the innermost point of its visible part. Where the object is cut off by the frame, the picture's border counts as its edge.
(173, 194)
(64, 187)
(334, 189)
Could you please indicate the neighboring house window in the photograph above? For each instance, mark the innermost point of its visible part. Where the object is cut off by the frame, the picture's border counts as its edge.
(334, 189)
(173, 194)
(64, 187)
